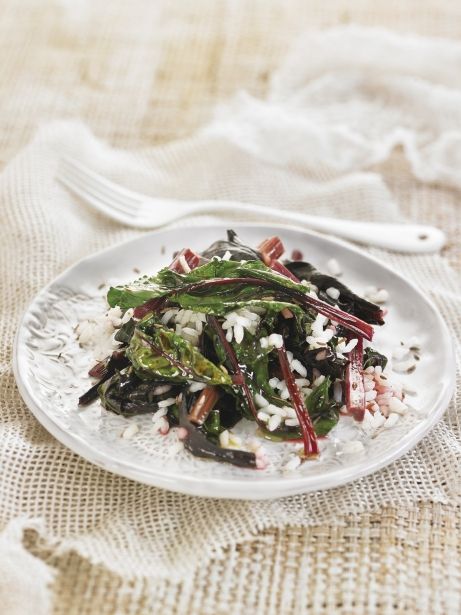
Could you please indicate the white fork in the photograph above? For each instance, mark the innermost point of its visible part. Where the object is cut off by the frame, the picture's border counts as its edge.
(137, 210)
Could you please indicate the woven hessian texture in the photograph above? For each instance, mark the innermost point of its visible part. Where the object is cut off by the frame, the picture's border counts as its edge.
(397, 561)
(66, 60)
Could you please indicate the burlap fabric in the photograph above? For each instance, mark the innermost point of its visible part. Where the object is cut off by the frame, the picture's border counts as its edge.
(87, 61)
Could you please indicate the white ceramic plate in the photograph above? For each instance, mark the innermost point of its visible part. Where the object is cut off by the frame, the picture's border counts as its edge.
(51, 369)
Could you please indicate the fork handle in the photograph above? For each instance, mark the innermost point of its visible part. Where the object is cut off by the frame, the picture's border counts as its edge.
(415, 238)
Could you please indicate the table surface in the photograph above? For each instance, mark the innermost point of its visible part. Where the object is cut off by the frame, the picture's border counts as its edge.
(201, 53)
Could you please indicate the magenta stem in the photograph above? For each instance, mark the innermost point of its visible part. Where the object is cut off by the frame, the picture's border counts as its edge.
(307, 428)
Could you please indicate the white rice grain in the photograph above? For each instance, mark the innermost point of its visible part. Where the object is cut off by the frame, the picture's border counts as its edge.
(273, 409)
(376, 295)
(333, 293)
(115, 316)
(161, 389)
(224, 439)
(409, 390)
(183, 317)
(260, 401)
(290, 412)
(333, 267)
(96, 333)
(168, 316)
(130, 431)
(321, 339)
(350, 345)
(293, 462)
(371, 395)
(274, 422)
(297, 366)
(196, 386)
(284, 393)
(378, 420)
(238, 333)
(234, 440)
(318, 380)
(391, 421)
(251, 315)
(244, 321)
(302, 382)
(368, 384)
(318, 324)
(397, 406)
(166, 403)
(381, 296)
(127, 315)
(263, 416)
(231, 318)
(161, 426)
(276, 340)
(159, 414)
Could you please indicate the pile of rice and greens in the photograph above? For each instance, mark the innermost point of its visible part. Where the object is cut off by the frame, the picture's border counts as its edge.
(235, 332)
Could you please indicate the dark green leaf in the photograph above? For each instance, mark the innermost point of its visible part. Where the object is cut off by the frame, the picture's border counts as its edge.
(323, 410)
(125, 333)
(200, 446)
(145, 288)
(347, 301)
(234, 246)
(328, 363)
(126, 394)
(373, 358)
(157, 352)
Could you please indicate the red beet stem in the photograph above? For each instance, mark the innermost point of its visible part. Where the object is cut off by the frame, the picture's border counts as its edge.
(204, 404)
(239, 378)
(192, 259)
(99, 370)
(279, 268)
(296, 255)
(153, 305)
(350, 322)
(355, 390)
(307, 429)
(271, 249)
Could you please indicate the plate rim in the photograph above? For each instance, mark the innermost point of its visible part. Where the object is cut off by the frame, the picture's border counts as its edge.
(238, 488)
